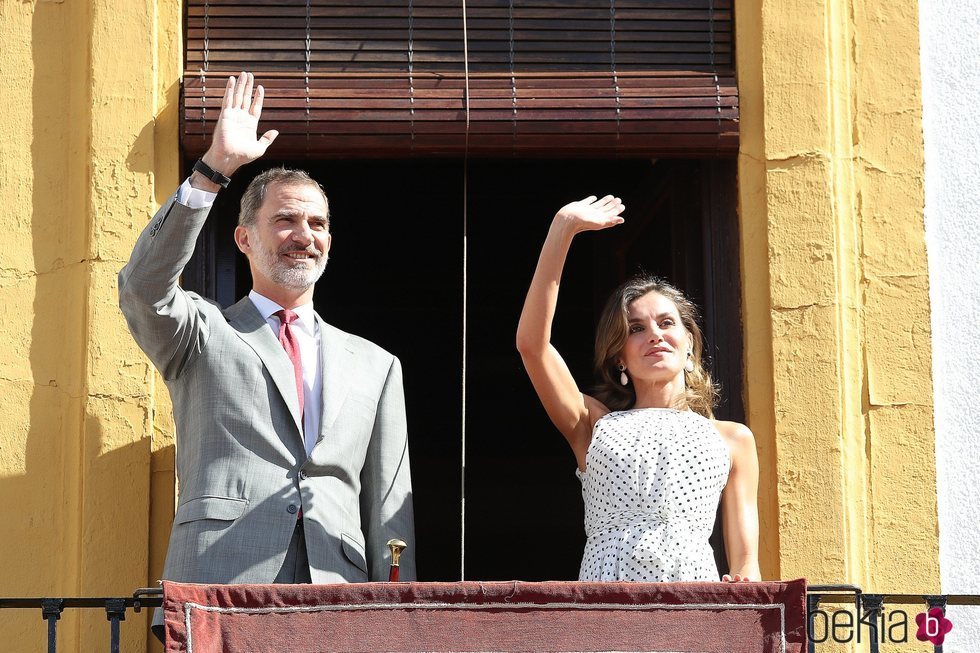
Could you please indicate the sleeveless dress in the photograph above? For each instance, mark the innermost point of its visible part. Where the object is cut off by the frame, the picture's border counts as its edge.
(653, 478)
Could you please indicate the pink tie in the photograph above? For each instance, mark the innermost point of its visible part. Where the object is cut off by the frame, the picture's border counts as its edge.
(289, 342)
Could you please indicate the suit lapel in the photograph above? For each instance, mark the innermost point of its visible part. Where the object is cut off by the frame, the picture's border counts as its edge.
(255, 331)
(335, 366)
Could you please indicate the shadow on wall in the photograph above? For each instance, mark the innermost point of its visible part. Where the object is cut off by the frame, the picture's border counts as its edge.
(40, 505)
(77, 497)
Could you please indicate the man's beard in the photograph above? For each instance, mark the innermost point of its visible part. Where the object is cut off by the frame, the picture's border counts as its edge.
(299, 277)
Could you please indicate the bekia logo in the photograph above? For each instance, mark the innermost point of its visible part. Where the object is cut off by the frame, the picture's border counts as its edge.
(877, 624)
(933, 626)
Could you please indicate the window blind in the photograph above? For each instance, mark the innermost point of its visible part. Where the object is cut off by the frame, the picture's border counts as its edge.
(394, 78)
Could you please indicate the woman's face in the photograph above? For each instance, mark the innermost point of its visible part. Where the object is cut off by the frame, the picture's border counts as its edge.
(657, 345)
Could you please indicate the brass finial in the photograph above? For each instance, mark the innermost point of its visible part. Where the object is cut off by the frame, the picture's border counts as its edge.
(396, 547)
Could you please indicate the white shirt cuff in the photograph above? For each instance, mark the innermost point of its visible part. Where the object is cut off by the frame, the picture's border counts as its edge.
(194, 198)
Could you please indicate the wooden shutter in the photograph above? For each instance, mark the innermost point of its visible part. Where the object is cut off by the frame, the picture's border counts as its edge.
(532, 77)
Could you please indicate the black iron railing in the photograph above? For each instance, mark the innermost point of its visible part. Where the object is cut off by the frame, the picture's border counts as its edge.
(115, 610)
(870, 620)
(858, 617)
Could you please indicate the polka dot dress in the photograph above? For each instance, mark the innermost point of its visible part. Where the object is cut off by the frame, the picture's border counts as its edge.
(653, 478)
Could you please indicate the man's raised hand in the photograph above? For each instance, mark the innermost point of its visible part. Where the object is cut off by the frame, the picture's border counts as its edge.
(234, 143)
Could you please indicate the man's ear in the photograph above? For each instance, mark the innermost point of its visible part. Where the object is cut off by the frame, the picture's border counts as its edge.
(241, 239)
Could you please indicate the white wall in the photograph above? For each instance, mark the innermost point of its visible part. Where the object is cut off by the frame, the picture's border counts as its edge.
(950, 52)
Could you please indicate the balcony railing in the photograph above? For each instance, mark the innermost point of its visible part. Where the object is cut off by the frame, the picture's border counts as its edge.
(845, 614)
(835, 614)
(115, 609)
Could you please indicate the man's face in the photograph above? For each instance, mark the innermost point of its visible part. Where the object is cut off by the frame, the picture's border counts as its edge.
(287, 245)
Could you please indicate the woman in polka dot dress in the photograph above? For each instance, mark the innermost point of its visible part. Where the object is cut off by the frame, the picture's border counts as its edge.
(653, 461)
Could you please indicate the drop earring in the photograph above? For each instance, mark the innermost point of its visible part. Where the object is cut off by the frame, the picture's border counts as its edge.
(623, 379)
(689, 365)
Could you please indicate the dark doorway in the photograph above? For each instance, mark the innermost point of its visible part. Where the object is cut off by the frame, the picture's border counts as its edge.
(396, 277)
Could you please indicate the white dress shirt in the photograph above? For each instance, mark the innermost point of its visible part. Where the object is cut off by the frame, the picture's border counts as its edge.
(307, 333)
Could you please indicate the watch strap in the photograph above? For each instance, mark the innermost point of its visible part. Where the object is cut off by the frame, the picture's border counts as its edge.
(212, 174)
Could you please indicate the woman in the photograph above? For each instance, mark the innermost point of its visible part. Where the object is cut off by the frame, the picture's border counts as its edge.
(652, 459)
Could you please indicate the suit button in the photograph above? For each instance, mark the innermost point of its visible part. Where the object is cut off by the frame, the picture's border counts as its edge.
(291, 509)
(302, 475)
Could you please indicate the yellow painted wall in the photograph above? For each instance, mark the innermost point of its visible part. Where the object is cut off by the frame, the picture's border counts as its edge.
(88, 107)
(835, 297)
(838, 356)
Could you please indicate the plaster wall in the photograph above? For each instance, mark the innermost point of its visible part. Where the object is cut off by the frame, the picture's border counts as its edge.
(88, 95)
(836, 305)
(950, 96)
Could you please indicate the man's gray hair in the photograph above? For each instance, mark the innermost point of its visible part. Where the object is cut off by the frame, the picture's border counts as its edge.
(255, 193)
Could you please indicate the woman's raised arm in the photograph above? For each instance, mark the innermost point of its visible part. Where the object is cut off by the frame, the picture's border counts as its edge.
(572, 412)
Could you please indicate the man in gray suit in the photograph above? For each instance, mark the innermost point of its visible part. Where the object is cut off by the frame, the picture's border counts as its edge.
(292, 454)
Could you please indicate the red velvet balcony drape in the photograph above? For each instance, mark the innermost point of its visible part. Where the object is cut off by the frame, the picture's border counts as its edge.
(492, 616)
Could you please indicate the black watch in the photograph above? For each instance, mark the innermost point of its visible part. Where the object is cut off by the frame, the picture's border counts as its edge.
(211, 173)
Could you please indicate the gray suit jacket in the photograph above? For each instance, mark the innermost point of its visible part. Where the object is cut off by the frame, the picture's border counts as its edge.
(242, 466)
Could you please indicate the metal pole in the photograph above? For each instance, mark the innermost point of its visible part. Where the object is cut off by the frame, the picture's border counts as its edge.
(873, 603)
(51, 610)
(115, 610)
(812, 603)
(937, 602)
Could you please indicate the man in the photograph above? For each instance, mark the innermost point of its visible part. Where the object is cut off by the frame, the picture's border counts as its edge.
(292, 455)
